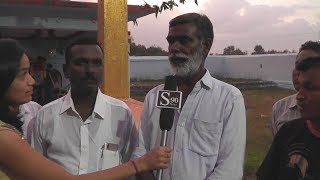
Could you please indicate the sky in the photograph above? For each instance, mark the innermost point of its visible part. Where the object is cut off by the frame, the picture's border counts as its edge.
(274, 24)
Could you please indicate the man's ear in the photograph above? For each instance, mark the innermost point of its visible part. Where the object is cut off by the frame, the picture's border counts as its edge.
(65, 68)
(206, 46)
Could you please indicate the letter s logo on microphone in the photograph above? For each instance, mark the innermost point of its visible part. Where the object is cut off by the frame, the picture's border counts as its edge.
(164, 97)
(169, 99)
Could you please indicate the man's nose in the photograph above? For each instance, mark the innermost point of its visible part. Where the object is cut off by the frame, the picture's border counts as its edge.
(175, 47)
(90, 68)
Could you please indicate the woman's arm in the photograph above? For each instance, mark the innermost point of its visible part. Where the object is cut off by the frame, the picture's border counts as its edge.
(21, 160)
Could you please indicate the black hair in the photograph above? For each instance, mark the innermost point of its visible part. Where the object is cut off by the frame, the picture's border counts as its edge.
(201, 21)
(11, 53)
(308, 63)
(311, 45)
(79, 41)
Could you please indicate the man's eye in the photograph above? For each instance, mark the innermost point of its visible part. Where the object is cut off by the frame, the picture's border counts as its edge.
(81, 62)
(97, 62)
(185, 40)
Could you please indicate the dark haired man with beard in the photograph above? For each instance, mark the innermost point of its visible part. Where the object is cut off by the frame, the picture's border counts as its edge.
(85, 130)
(209, 131)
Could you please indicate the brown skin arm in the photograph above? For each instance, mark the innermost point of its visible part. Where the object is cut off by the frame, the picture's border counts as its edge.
(20, 159)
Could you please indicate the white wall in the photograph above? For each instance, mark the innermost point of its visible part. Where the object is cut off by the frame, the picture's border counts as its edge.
(149, 67)
(276, 68)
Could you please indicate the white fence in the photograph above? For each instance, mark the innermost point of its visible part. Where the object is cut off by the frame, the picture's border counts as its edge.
(276, 68)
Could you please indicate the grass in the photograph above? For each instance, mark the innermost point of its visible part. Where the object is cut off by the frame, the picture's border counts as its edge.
(259, 103)
(259, 137)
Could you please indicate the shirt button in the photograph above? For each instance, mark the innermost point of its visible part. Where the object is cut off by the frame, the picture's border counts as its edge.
(84, 147)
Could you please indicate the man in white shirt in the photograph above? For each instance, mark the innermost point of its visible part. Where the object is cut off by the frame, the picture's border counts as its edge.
(85, 130)
(286, 109)
(28, 113)
(209, 132)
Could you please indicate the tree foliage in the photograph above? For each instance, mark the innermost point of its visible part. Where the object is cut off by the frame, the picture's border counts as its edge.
(258, 49)
(167, 5)
(141, 50)
(231, 50)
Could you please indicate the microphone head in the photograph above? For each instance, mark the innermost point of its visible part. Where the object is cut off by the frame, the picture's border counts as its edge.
(167, 114)
(170, 83)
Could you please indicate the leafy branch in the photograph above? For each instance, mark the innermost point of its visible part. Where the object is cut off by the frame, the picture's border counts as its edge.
(166, 5)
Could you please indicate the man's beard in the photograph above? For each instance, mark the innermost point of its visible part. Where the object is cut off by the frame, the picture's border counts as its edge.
(186, 65)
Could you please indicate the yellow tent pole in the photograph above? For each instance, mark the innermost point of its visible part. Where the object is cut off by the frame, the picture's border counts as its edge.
(113, 36)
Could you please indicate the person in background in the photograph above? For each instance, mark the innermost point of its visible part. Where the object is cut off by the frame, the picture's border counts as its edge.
(38, 72)
(52, 84)
(294, 153)
(286, 109)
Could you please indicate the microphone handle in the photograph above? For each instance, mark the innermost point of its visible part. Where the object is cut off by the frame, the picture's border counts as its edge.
(162, 143)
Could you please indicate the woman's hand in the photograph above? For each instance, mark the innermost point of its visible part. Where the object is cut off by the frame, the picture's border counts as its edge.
(157, 158)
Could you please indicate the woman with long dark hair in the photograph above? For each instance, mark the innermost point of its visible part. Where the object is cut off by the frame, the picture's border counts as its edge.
(17, 159)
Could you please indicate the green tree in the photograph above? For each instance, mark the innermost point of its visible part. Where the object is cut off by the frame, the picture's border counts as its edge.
(258, 49)
(156, 51)
(231, 50)
(272, 51)
(286, 51)
(141, 50)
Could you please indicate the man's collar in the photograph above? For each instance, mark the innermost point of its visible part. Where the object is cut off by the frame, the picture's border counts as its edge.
(293, 102)
(99, 107)
(28, 107)
(67, 103)
(23, 110)
(206, 80)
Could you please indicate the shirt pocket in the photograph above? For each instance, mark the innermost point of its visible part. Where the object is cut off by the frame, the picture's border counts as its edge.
(205, 137)
(108, 159)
